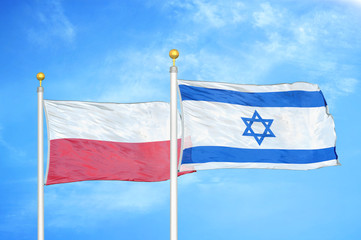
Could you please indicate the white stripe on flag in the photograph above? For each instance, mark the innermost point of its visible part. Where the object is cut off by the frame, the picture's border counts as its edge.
(136, 122)
(221, 124)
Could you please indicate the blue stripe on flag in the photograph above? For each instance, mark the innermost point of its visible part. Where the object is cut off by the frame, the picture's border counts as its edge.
(261, 99)
(227, 154)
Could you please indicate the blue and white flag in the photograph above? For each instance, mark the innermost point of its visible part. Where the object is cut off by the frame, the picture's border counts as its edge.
(283, 126)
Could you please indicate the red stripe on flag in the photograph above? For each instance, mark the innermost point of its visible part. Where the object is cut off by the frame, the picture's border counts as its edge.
(73, 160)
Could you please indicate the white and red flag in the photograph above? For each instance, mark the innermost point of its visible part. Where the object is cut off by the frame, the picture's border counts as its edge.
(107, 141)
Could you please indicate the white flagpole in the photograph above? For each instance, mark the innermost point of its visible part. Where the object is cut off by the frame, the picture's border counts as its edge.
(173, 148)
(40, 76)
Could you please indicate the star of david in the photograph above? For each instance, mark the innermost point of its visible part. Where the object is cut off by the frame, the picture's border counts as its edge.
(258, 136)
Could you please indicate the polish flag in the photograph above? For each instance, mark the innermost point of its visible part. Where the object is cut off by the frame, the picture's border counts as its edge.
(108, 141)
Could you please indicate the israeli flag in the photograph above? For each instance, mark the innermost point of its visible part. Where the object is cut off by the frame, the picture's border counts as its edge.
(283, 126)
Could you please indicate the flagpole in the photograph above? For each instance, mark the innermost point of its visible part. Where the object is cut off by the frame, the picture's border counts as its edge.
(173, 148)
(40, 76)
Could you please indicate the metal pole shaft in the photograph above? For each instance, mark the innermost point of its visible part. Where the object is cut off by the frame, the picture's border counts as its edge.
(40, 165)
(173, 155)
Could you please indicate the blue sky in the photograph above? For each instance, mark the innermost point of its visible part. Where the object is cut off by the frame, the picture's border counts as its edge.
(118, 51)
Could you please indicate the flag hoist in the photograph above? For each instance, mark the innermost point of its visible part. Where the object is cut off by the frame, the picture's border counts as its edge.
(40, 76)
(173, 148)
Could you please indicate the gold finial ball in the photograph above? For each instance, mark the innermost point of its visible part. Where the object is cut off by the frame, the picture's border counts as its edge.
(40, 76)
(173, 53)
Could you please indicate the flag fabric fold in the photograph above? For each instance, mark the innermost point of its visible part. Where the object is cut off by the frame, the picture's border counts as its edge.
(107, 141)
(283, 126)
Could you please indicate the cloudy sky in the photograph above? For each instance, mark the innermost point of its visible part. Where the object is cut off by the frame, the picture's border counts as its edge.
(117, 51)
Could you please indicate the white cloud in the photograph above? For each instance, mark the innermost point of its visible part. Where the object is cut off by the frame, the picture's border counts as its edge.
(268, 16)
(135, 76)
(214, 14)
(304, 34)
(286, 38)
(306, 41)
(353, 2)
(348, 85)
(218, 15)
(312, 42)
(339, 87)
(52, 24)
